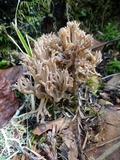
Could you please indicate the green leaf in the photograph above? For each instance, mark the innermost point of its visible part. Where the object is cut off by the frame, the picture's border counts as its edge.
(4, 63)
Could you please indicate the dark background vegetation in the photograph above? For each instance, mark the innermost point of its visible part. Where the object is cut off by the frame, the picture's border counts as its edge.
(35, 17)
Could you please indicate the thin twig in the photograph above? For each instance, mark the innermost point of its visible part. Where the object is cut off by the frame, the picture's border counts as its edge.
(12, 155)
(110, 76)
(104, 143)
(31, 157)
(27, 99)
(85, 141)
(105, 43)
(79, 127)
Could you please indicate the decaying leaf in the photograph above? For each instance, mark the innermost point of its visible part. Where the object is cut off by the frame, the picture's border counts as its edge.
(111, 91)
(108, 137)
(66, 131)
(12, 74)
(113, 82)
(15, 157)
(105, 102)
(97, 45)
(105, 96)
(69, 147)
(59, 124)
(8, 102)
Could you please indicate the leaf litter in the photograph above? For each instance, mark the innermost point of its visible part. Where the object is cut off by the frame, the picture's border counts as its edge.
(75, 136)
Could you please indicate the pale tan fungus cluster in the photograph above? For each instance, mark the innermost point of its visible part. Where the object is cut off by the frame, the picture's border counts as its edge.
(59, 63)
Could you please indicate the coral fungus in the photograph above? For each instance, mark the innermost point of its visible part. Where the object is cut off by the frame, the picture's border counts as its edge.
(59, 63)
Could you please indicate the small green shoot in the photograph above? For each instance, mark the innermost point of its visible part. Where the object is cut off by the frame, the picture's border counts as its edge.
(23, 41)
(25, 44)
(4, 64)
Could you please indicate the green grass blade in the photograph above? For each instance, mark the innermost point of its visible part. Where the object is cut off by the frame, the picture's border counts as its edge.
(15, 43)
(23, 41)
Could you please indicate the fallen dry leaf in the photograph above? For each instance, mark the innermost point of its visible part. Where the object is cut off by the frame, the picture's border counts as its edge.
(108, 137)
(15, 157)
(8, 102)
(113, 82)
(23, 157)
(69, 147)
(111, 91)
(12, 74)
(59, 124)
(105, 102)
(97, 45)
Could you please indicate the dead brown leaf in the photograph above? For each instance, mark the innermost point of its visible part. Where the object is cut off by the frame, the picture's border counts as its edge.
(111, 90)
(23, 157)
(109, 136)
(15, 157)
(8, 102)
(69, 147)
(59, 125)
(12, 74)
(113, 82)
(97, 45)
(105, 102)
